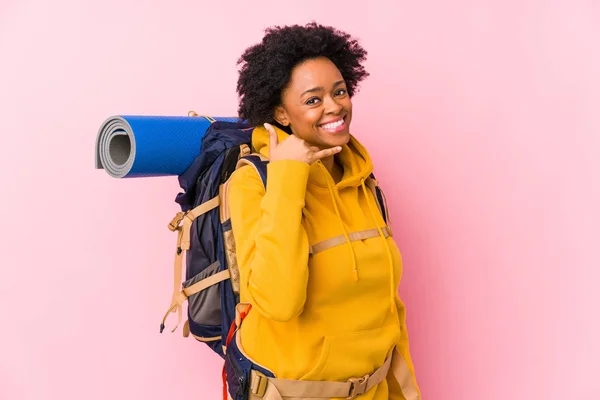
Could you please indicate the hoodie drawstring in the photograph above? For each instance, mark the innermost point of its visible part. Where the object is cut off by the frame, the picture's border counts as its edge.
(346, 235)
(387, 247)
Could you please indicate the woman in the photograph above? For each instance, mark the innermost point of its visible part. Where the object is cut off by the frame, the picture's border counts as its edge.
(317, 261)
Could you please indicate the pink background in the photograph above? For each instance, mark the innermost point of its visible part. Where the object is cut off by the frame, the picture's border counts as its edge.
(483, 118)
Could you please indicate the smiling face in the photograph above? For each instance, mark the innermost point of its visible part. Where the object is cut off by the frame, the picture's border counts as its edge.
(316, 105)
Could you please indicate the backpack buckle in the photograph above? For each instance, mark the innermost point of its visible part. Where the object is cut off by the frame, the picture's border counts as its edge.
(358, 387)
(174, 224)
(258, 383)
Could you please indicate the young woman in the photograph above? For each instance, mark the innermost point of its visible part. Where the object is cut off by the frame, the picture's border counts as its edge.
(317, 260)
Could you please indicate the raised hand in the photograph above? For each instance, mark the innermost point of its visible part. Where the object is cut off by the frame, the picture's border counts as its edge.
(294, 148)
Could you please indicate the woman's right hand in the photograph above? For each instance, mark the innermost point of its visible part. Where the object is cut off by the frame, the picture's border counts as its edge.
(294, 148)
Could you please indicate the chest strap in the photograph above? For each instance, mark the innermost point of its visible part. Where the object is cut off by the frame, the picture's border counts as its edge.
(354, 237)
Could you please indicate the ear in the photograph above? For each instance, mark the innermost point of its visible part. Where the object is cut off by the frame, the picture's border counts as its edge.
(280, 115)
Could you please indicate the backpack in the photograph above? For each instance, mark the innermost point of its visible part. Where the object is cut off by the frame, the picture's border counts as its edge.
(204, 234)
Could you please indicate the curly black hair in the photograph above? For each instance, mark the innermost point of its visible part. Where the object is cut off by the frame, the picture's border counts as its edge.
(267, 66)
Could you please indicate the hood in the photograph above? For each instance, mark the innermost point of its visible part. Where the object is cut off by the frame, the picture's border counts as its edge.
(354, 158)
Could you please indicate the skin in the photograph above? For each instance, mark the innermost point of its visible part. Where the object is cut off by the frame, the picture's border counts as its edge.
(316, 95)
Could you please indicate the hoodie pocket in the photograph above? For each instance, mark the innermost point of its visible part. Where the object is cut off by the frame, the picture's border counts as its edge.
(353, 354)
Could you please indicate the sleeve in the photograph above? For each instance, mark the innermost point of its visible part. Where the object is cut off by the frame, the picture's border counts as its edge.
(404, 387)
(271, 243)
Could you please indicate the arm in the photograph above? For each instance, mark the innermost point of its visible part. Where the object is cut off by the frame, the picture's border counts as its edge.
(408, 389)
(271, 243)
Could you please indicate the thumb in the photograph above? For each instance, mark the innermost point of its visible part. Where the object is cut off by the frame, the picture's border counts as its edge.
(273, 141)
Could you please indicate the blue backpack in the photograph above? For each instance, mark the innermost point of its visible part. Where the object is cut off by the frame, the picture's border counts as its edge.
(212, 284)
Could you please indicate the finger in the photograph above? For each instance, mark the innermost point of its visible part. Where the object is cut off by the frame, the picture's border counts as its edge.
(326, 153)
(272, 135)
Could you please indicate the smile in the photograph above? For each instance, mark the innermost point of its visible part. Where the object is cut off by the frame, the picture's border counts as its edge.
(334, 126)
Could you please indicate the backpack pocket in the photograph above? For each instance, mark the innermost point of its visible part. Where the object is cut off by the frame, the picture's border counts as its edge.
(204, 307)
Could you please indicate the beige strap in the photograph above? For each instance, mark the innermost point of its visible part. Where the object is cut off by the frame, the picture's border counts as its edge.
(176, 299)
(183, 243)
(270, 393)
(354, 236)
(180, 296)
(188, 218)
(277, 389)
(192, 215)
(224, 213)
(404, 377)
(265, 388)
(194, 114)
(203, 208)
(224, 188)
(245, 150)
(186, 328)
(204, 283)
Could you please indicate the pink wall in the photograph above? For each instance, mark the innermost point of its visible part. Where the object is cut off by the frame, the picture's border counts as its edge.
(487, 113)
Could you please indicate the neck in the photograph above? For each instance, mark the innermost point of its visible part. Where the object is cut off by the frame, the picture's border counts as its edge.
(335, 169)
(328, 162)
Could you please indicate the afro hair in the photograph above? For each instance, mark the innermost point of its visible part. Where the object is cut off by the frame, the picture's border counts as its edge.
(266, 67)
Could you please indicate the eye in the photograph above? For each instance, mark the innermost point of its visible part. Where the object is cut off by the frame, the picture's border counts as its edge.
(340, 92)
(312, 101)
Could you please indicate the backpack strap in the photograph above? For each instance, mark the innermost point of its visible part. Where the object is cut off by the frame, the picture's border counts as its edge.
(373, 184)
(182, 224)
(277, 389)
(353, 236)
(262, 387)
(258, 162)
(265, 388)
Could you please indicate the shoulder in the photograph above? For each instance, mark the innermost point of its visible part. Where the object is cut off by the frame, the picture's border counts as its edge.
(246, 179)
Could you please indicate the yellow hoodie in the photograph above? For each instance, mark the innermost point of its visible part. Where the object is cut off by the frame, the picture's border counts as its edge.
(332, 315)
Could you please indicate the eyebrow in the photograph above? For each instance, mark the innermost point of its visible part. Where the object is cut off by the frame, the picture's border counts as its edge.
(321, 88)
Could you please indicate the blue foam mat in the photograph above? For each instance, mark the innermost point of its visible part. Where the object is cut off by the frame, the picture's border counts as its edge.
(133, 146)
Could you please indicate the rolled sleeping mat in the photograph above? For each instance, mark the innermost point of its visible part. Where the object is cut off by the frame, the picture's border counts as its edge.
(133, 146)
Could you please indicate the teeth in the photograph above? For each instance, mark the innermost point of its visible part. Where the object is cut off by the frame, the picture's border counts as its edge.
(333, 125)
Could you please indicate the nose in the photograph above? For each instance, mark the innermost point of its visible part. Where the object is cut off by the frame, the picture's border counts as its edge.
(332, 106)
